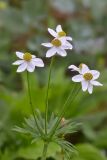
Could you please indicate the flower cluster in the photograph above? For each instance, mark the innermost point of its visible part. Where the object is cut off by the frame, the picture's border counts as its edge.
(58, 45)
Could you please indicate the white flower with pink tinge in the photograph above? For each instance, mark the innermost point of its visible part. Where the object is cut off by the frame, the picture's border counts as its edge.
(27, 62)
(59, 33)
(57, 46)
(87, 78)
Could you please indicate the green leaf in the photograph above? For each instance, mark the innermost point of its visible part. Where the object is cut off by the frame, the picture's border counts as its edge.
(88, 152)
(34, 151)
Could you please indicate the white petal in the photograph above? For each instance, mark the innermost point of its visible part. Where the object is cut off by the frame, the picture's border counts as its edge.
(52, 32)
(62, 52)
(74, 68)
(51, 52)
(38, 62)
(22, 67)
(33, 56)
(68, 38)
(90, 88)
(95, 74)
(47, 44)
(96, 83)
(84, 85)
(63, 40)
(20, 55)
(18, 62)
(77, 78)
(85, 69)
(67, 45)
(59, 28)
(30, 67)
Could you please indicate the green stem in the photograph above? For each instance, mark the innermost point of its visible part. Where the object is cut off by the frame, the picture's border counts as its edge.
(62, 153)
(31, 105)
(44, 151)
(69, 100)
(47, 93)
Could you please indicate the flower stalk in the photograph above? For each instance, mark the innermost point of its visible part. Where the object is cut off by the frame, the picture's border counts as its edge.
(30, 102)
(69, 100)
(47, 94)
(45, 148)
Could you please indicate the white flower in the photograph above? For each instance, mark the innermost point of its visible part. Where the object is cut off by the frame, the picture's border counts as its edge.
(87, 78)
(79, 68)
(59, 33)
(27, 62)
(57, 46)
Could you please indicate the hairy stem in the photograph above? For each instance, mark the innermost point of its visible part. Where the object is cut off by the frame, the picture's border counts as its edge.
(47, 93)
(44, 151)
(31, 105)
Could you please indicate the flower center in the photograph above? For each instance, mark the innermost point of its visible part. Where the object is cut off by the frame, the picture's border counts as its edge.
(88, 76)
(80, 66)
(61, 34)
(27, 56)
(56, 42)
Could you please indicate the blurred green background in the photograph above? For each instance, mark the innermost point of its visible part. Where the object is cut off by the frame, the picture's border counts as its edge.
(23, 27)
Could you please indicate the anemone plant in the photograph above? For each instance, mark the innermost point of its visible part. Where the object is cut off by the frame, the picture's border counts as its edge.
(54, 128)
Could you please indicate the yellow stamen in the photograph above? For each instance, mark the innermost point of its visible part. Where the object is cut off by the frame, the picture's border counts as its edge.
(81, 65)
(56, 42)
(88, 76)
(27, 56)
(61, 34)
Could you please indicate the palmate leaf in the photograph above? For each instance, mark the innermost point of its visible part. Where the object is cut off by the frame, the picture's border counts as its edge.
(30, 122)
(68, 127)
(66, 146)
(29, 127)
(20, 130)
(27, 131)
(40, 119)
(52, 122)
